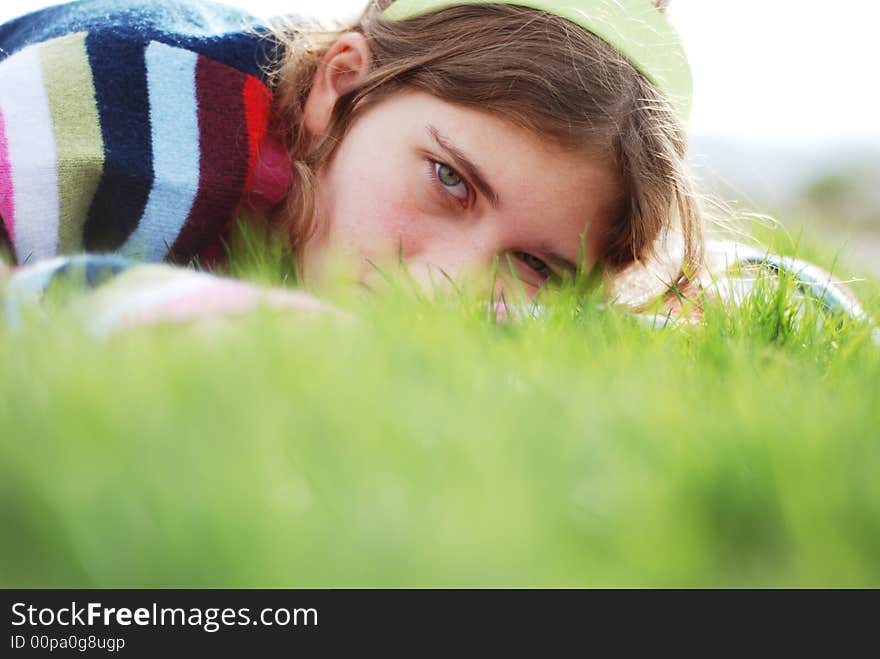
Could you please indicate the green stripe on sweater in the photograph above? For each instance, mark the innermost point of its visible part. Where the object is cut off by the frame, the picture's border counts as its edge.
(80, 148)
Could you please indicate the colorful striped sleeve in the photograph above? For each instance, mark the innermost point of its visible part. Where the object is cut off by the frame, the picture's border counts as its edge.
(128, 128)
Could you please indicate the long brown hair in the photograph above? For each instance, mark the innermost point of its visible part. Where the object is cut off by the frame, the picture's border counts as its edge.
(535, 69)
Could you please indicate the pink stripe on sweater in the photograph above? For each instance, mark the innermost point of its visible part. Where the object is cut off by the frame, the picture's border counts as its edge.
(7, 206)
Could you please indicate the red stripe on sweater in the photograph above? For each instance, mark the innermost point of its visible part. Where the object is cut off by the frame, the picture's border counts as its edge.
(225, 157)
(257, 100)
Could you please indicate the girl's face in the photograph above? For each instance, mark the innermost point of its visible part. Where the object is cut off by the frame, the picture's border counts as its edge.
(448, 188)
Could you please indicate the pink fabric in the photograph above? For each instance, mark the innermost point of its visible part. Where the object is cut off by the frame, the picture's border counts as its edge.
(271, 177)
(7, 206)
(225, 297)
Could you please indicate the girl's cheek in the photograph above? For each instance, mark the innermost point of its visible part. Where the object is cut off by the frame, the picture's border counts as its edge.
(412, 212)
(408, 217)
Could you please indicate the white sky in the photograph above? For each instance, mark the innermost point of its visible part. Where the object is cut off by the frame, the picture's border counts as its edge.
(789, 71)
(785, 70)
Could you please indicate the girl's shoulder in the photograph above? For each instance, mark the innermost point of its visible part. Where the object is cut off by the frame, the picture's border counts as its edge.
(130, 127)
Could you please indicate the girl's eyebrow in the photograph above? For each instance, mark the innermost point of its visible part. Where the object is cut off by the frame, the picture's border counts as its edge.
(464, 164)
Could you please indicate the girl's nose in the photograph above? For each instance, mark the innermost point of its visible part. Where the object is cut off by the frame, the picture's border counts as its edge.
(455, 257)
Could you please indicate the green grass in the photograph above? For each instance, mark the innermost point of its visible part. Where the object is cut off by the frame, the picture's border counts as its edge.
(422, 445)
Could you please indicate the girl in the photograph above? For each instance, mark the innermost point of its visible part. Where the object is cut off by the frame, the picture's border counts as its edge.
(444, 133)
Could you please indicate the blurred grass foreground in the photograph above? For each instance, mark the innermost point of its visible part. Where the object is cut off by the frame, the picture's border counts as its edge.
(423, 445)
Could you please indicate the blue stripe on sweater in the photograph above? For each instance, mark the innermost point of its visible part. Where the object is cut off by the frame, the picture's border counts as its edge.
(171, 80)
(213, 30)
(120, 78)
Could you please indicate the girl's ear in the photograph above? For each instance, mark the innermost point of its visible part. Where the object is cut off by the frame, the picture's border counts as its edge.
(345, 63)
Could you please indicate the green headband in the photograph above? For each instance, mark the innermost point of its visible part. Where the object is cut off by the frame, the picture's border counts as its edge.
(635, 28)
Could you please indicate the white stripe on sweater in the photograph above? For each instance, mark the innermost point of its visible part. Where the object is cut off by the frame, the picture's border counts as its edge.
(32, 157)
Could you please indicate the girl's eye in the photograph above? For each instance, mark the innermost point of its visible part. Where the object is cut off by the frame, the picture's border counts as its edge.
(451, 181)
(536, 264)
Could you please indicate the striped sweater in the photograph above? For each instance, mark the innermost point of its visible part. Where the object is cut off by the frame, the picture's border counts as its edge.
(130, 128)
